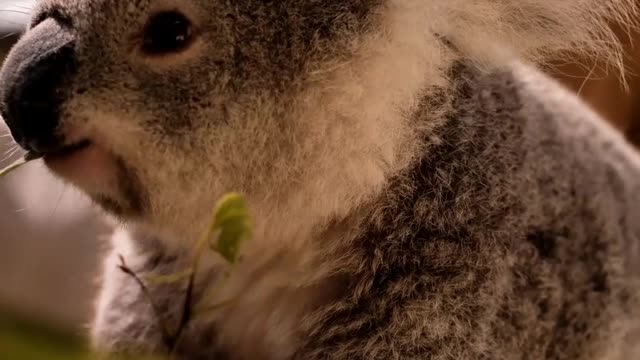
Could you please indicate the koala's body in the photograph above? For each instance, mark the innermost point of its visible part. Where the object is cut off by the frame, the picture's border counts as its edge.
(418, 190)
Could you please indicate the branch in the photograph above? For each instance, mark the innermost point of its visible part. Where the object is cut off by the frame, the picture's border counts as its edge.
(168, 340)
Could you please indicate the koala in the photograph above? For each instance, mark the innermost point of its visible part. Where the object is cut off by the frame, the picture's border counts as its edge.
(419, 188)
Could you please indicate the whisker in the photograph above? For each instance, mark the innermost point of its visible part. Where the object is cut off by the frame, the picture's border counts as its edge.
(53, 212)
(13, 148)
(10, 155)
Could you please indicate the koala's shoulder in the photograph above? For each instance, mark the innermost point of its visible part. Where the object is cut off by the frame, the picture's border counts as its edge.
(568, 153)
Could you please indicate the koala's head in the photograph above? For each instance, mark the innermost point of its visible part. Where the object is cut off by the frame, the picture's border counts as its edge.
(155, 108)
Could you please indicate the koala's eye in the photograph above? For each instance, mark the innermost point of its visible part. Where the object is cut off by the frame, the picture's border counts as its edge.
(167, 32)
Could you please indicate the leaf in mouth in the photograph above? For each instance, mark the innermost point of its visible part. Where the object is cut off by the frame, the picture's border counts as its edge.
(28, 157)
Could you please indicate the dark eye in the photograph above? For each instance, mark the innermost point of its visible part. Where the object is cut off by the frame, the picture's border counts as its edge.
(167, 32)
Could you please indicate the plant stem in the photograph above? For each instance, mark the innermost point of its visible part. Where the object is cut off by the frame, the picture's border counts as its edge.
(166, 337)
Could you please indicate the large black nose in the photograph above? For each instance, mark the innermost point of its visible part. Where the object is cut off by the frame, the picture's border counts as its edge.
(32, 85)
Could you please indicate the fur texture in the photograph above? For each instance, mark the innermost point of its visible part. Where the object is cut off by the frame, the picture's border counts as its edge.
(418, 191)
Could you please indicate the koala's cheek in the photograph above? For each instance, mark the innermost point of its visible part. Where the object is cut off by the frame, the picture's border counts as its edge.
(92, 169)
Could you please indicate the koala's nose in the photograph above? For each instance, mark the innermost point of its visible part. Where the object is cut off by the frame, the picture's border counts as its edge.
(32, 83)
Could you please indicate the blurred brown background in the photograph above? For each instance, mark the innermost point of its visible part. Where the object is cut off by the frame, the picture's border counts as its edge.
(601, 87)
(48, 231)
(49, 247)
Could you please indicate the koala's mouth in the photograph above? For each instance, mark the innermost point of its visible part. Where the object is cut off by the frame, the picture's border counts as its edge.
(71, 161)
(94, 168)
(83, 162)
(68, 150)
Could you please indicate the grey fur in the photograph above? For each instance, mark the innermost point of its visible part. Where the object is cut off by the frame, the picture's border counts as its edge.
(414, 198)
(517, 255)
(511, 258)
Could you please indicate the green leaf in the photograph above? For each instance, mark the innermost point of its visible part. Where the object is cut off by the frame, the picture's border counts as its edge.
(18, 163)
(168, 279)
(234, 226)
(28, 339)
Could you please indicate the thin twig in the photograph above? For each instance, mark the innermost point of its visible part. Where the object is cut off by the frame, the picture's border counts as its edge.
(186, 312)
(188, 298)
(166, 336)
(211, 308)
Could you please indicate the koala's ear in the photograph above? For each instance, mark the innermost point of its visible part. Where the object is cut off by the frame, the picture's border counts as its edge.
(14, 20)
(534, 29)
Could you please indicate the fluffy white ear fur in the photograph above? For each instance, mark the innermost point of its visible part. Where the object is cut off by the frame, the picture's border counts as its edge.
(533, 29)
